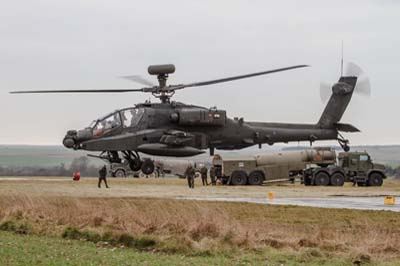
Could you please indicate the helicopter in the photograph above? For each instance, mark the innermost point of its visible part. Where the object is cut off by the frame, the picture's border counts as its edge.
(170, 128)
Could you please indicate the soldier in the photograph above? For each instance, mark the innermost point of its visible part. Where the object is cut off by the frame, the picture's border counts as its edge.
(203, 172)
(189, 173)
(103, 176)
(212, 175)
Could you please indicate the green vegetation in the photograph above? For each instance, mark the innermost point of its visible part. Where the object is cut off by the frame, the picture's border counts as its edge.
(34, 250)
(109, 238)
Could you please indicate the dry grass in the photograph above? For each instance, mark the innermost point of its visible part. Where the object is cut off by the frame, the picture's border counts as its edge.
(184, 226)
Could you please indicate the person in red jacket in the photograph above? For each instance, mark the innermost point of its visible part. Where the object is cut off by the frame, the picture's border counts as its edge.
(77, 176)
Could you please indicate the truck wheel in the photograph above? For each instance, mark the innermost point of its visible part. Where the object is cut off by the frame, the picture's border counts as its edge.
(135, 164)
(147, 167)
(337, 179)
(119, 173)
(256, 178)
(321, 179)
(239, 178)
(375, 179)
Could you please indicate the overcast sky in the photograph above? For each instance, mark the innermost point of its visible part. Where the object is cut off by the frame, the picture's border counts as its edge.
(82, 44)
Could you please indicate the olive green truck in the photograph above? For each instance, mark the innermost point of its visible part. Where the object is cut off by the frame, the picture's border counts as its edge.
(317, 166)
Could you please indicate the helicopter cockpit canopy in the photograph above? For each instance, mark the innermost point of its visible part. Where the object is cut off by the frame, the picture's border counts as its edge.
(129, 117)
(107, 124)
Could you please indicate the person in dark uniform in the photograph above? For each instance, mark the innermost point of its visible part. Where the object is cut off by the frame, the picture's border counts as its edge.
(189, 173)
(213, 175)
(103, 176)
(203, 172)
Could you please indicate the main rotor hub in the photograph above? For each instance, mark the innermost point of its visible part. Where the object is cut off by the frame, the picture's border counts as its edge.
(162, 72)
(161, 69)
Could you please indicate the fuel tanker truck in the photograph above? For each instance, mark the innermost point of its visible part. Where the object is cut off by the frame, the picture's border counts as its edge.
(285, 165)
(317, 166)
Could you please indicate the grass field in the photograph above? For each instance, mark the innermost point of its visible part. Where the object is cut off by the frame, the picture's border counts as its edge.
(45, 222)
(33, 250)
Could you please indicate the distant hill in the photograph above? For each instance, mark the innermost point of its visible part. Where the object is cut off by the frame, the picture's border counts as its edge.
(48, 156)
(42, 156)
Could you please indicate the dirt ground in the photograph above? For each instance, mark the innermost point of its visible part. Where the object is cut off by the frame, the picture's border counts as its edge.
(176, 188)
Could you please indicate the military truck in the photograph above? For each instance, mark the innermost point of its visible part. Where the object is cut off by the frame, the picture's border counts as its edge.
(356, 167)
(122, 169)
(162, 167)
(285, 165)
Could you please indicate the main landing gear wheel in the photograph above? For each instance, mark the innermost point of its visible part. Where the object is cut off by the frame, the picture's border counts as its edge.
(147, 167)
(239, 178)
(135, 164)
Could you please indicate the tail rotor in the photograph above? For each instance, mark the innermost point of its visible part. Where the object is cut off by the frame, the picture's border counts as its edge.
(363, 85)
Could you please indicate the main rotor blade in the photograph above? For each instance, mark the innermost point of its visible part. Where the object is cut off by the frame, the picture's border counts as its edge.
(78, 91)
(204, 83)
(139, 79)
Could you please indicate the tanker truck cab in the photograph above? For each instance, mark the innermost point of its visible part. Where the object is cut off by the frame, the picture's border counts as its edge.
(360, 169)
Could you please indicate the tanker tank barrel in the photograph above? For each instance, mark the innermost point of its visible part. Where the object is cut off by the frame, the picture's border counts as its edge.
(310, 156)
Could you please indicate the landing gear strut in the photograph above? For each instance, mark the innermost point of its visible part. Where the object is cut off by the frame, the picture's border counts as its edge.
(136, 164)
(344, 143)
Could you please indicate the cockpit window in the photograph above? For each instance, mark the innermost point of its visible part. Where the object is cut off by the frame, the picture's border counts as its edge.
(107, 124)
(131, 116)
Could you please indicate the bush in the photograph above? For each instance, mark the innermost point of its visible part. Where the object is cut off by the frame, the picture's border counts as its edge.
(112, 239)
(11, 226)
(8, 226)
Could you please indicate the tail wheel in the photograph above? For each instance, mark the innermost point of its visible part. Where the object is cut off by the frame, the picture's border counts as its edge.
(337, 179)
(147, 167)
(120, 173)
(256, 178)
(135, 164)
(375, 179)
(239, 178)
(321, 179)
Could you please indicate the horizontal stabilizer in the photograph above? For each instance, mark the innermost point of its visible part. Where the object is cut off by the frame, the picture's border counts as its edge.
(346, 127)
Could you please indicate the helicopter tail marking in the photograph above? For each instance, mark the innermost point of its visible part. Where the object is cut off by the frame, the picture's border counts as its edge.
(341, 95)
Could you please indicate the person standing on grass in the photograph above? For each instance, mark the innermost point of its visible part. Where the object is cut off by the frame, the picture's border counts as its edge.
(189, 174)
(103, 176)
(212, 175)
(203, 172)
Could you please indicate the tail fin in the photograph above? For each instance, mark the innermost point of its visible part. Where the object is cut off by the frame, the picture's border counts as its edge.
(342, 92)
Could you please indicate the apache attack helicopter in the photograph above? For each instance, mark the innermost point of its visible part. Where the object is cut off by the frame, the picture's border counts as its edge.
(176, 129)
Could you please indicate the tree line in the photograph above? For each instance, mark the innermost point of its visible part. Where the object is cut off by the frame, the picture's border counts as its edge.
(81, 164)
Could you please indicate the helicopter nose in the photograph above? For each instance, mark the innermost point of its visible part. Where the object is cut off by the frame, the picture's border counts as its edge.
(69, 139)
(69, 142)
(73, 138)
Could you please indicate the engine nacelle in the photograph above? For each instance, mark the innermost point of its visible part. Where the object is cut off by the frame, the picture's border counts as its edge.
(199, 117)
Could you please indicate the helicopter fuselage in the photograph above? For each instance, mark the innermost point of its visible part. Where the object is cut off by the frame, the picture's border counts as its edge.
(177, 129)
